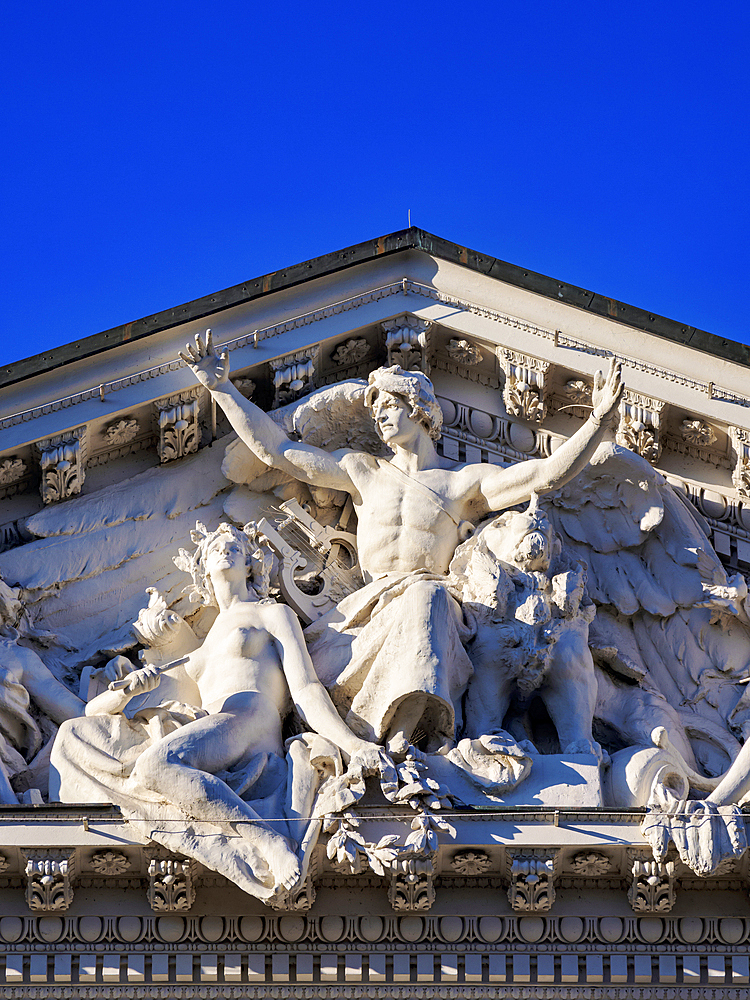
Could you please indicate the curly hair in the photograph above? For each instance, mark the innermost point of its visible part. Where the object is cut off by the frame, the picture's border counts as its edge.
(414, 388)
(258, 559)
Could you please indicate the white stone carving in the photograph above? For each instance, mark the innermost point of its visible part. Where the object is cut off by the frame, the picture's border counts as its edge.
(164, 786)
(524, 390)
(471, 862)
(49, 879)
(532, 880)
(351, 352)
(407, 342)
(121, 432)
(411, 881)
(62, 460)
(591, 864)
(652, 887)
(179, 430)
(697, 432)
(640, 423)
(11, 470)
(740, 440)
(441, 608)
(527, 599)
(170, 884)
(578, 392)
(110, 862)
(294, 375)
(246, 386)
(463, 352)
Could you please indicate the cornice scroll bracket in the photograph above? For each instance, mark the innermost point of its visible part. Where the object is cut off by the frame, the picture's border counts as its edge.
(179, 430)
(412, 876)
(532, 880)
(407, 341)
(171, 884)
(640, 425)
(49, 880)
(62, 461)
(524, 390)
(294, 375)
(652, 888)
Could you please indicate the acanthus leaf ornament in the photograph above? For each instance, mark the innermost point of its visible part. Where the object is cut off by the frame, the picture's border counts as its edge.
(524, 389)
(532, 880)
(591, 864)
(49, 879)
(740, 441)
(463, 352)
(697, 432)
(11, 470)
(179, 430)
(110, 862)
(350, 352)
(652, 886)
(121, 432)
(471, 862)
(294, 375)
(640, 425)
(171, 884)
(407, 342)
(62, 461)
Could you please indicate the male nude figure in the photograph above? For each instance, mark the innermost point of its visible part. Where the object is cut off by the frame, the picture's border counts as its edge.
(411, 509)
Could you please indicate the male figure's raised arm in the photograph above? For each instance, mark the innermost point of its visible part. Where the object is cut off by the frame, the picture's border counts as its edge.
(258, 431)
(503, 488)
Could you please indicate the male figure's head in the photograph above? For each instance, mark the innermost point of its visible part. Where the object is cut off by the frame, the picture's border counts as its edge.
(392, 390)
(226, 550)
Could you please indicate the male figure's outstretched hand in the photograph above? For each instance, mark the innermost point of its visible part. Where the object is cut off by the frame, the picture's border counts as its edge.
(209, 368)
(607, 391)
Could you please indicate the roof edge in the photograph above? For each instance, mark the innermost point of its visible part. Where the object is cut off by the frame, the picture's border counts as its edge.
(405, 239)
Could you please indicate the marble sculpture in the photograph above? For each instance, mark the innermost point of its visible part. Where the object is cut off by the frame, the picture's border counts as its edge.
(570, 605)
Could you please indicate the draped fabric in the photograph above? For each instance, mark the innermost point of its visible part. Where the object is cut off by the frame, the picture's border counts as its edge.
(401, 635)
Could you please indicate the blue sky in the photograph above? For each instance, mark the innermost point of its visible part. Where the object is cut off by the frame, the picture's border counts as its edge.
(157, 152)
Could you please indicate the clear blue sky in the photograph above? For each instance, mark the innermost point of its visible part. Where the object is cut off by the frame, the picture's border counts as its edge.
(157, 152)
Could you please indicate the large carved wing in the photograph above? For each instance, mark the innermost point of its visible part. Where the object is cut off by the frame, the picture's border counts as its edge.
(84, 572)
(650, 570)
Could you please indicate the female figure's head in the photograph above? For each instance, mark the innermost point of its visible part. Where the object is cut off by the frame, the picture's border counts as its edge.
(222, 551)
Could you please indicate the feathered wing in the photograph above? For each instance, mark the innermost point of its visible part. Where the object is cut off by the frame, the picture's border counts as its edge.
(649, 557)
(84, 574)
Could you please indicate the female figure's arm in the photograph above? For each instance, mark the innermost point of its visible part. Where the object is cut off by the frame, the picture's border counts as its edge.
(310, 698)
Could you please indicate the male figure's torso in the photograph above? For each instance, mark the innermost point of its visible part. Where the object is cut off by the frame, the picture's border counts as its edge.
(402, 527)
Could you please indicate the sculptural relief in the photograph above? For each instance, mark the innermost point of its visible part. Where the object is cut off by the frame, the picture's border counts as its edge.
(465, 627)
(205, 765)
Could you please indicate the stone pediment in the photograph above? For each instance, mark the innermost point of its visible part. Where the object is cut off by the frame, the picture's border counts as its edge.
(534, 806)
